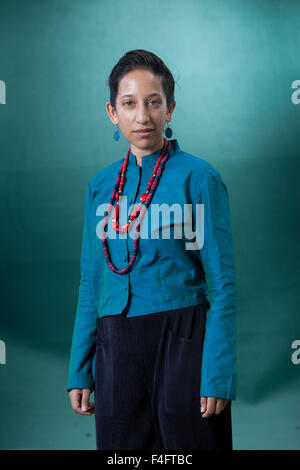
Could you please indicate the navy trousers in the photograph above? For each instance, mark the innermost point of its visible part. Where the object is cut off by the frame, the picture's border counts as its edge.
(147, 388)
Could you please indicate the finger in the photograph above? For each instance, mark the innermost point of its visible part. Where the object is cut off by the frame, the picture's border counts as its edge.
(220, 405)
(87, 407)
(85, 399)
(210, 408)
(76, 399)
(91, 406)
(203, 404)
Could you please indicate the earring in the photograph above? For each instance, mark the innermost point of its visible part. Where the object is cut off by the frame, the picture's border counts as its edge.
(116, 133)
(168, 131)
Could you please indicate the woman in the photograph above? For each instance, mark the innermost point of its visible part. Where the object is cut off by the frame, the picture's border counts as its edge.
(155, 326)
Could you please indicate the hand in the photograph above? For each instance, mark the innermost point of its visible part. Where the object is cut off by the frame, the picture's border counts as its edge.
(80, 401)
(211, 405)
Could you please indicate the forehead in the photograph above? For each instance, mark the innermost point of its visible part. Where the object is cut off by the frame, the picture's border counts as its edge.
(139, 82)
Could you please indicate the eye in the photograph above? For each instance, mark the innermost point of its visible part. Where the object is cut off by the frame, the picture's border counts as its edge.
(129, 103)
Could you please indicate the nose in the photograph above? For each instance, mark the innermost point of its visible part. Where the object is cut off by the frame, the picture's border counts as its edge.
(142, 114)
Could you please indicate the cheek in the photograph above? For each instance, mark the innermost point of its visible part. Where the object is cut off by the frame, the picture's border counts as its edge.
(157, 115)
(126, 121)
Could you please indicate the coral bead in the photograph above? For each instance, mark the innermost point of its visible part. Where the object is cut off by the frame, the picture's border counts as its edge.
(125, 227)
(138, 211)
(135, 213)
(116, 212)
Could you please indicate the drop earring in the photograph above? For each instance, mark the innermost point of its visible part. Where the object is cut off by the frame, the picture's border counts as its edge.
(168, 131)
(116, 133)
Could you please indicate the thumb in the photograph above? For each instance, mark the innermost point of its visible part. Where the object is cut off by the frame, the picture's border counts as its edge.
(85, 399)
(203, 402)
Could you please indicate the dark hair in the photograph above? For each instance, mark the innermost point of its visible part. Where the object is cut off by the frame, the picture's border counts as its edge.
(141, 59)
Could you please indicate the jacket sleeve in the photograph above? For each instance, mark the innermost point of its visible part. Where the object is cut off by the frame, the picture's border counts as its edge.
(82, 357)
(219, 369)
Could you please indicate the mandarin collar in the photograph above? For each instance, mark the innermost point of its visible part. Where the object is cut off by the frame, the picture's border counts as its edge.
(149, 161)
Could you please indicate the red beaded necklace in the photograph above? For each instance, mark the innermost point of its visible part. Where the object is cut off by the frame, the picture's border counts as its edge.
(145, 200)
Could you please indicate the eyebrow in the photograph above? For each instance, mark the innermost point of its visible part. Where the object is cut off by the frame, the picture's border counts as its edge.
(151, 94)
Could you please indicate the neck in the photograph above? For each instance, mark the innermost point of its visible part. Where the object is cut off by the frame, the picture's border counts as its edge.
(140, 153)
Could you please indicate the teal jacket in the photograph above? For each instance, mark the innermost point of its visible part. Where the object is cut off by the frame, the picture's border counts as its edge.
(170, 271)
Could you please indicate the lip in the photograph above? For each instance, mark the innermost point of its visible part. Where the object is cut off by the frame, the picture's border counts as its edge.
(144, 132)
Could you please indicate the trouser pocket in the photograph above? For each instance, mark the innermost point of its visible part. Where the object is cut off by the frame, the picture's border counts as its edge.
(182, 361)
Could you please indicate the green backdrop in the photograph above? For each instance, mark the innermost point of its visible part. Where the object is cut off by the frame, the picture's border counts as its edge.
(234, 64)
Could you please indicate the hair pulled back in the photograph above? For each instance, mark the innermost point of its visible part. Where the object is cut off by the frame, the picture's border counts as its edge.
(141, 59)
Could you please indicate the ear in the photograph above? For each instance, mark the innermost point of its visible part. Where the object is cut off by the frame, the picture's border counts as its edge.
(111, 112)
(170, 111)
